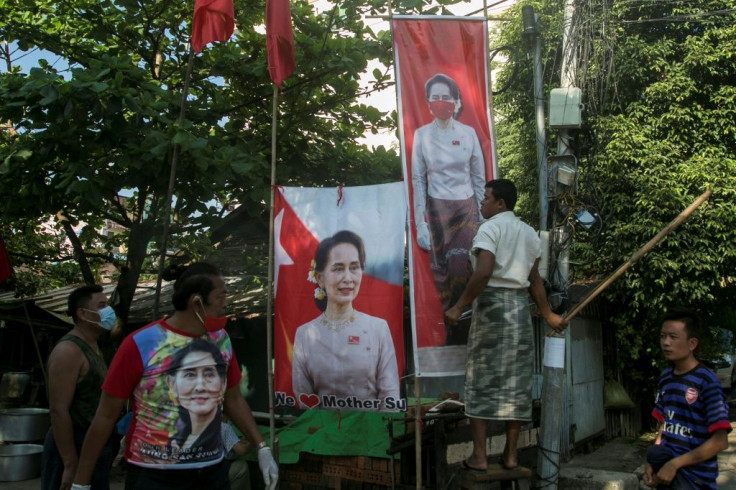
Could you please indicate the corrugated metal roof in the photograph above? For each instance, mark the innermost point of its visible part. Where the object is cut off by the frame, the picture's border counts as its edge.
(244, 299)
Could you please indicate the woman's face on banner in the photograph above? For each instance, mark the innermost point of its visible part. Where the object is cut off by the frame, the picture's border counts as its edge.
(441, 103)
(197, 384)
(342, 275)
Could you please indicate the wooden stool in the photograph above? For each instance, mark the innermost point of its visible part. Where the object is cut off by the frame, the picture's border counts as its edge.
(516, 479)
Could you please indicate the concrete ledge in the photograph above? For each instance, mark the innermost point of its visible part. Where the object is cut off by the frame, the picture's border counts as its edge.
(588, 479)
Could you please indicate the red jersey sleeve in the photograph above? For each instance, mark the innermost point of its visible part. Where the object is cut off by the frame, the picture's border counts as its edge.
(125, 370)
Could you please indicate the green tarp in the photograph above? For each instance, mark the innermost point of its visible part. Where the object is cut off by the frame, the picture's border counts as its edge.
(333, 433)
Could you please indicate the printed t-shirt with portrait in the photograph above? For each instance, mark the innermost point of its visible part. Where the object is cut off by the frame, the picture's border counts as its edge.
(177, 383)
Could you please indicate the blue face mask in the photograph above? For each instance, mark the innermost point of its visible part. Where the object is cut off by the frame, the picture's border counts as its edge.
(107, 317)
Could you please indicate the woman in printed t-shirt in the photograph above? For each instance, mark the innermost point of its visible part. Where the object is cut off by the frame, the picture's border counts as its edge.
(164, 368)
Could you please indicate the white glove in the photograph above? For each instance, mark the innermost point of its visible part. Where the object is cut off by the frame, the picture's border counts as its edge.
(423, 235)
(269, 468)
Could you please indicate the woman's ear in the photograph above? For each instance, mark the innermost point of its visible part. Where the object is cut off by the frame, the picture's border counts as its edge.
(320, 279)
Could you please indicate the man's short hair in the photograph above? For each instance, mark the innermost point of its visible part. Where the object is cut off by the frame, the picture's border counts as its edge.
(504, 189)
(685, 315)
(79, 298)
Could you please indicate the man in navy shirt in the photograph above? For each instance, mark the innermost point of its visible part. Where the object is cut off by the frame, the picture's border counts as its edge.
(691, 410)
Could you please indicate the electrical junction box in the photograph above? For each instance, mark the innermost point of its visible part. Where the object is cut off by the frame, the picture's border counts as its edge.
(565, 108)
(561, 173)
(566, 175)
(585, 219)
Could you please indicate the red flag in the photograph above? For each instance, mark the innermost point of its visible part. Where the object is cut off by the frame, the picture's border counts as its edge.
(213, 21)
(5, 268)
(279, 40)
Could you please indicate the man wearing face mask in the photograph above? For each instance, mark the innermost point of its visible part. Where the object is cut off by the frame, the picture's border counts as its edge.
(76, 370)
(181, 375)
(448, 179)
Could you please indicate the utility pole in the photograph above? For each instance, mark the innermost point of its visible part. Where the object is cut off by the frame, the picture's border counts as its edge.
(534, 40)
(549, 443)
(553, 389)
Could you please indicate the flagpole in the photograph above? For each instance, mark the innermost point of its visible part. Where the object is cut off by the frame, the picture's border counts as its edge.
(172, 180)
(269, 304)
(417, 384)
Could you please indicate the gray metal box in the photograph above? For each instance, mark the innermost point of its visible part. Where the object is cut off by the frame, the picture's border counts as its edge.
(565, 108)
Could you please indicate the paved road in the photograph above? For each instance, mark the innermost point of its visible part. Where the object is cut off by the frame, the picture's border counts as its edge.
(616, 455)
(727, 462)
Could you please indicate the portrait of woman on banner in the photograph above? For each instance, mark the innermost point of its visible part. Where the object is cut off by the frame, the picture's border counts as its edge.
(343, 352)
(448, 179)
(197, 381)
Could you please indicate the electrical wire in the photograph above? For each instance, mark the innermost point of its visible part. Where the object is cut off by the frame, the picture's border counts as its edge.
(515, 55)
(681, 18)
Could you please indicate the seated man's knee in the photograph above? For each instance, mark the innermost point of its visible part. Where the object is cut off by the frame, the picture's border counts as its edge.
(657, 456)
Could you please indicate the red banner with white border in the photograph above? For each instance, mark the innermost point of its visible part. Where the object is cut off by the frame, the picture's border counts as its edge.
(355, 362)
(448, 154)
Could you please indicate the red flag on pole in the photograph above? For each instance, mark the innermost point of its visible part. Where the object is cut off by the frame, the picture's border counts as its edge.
(6, 270)
(279, 40)
(213, 21)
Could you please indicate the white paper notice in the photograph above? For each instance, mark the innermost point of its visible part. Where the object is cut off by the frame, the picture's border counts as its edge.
(554, 352)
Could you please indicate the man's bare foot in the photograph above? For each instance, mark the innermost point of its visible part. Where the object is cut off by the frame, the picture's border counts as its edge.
(509, 462)
(473, 465)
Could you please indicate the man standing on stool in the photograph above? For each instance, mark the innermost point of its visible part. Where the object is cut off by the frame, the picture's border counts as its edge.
(691, 410)
(505, 256)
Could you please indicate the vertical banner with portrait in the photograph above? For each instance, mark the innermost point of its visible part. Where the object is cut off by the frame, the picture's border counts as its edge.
(338, 297)
(448, 155)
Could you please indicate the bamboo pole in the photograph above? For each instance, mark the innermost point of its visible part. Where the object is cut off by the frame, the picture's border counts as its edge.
(35, 342)
(172, 182)
(269, 303)
(638, 255)
(418, 431)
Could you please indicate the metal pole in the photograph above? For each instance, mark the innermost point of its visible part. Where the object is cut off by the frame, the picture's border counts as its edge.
(553, 384)
(541, 138)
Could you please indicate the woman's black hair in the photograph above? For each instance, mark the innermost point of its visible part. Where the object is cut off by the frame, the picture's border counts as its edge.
(323, 254)
(196, 278)
(184, 422)
(199, 345)
(442, 78)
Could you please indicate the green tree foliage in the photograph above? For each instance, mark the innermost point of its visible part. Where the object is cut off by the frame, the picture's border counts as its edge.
(108, 125)
(658, 80)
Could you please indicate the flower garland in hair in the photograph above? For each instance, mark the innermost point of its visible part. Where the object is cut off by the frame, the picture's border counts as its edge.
(319, 293)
